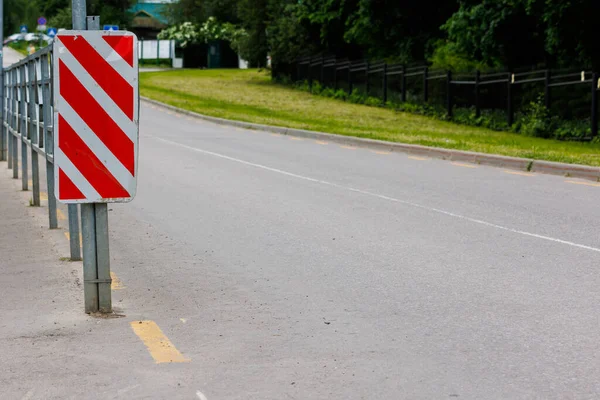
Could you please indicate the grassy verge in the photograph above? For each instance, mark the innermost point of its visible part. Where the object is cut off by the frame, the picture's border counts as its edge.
(249, 95)
(21, 47)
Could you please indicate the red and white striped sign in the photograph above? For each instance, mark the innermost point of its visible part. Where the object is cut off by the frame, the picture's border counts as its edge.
(96, 112)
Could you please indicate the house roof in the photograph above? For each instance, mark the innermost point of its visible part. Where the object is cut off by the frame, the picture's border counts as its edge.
(150, 10)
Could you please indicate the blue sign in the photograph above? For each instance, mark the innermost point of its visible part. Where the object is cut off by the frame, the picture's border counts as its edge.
(41, 21)
(52, 32)
(23, 28)
(111, 27)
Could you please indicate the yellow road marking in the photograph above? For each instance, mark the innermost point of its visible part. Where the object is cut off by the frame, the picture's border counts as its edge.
(116, 282)
(296, 138)
(60, 215)
(418, 158)
(68, 236)
(183, 320)
(159, 346)
(464, 165)
(275, 134)
(321, 142)
(385, 153)
(519, 173)
(348, 147)
(584, 183)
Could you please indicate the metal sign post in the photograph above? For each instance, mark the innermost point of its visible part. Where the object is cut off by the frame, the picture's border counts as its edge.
(96, 130)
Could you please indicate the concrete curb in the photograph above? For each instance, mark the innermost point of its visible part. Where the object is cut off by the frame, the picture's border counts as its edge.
(523, 164)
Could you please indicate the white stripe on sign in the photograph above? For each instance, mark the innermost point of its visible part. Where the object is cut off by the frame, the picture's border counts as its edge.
(111, 162)
(74, 175)
(112, 109)
(114, 59)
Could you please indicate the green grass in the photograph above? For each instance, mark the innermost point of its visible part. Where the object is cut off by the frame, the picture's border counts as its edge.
(21, 47)
(249, 95)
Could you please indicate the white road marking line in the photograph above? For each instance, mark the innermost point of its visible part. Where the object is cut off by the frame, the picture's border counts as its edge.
(200, 395)
(383, 197)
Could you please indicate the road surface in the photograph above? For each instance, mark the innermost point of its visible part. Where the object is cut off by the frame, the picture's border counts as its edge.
(10, 56)
(282, 268)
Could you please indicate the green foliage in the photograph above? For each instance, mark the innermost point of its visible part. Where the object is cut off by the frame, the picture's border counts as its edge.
(189, 33)
(161, 63)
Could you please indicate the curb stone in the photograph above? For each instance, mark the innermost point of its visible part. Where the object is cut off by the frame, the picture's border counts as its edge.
(494, 160)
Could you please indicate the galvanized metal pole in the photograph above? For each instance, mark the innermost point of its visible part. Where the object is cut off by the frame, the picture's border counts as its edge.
(45, 67)
(3, 131)
(33, 131)
(79, 13)
(103, 258)
(74, 234)
(90, 271)
(23, 129)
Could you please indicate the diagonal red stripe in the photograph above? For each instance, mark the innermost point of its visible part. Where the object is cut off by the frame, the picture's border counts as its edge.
(67, 189)
(96, 118)
(122, 45)
(119, 90)
(87, 163)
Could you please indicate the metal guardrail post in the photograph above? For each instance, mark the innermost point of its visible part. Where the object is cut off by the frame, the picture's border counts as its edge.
(33, 131)
(11, 121)
(15, 140)
(23, 128)
(45, 69)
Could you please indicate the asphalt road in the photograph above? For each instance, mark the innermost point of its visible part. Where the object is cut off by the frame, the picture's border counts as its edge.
(10, 56)
(295, 269)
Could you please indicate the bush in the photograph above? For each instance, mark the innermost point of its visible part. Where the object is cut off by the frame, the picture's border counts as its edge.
(340, 94)
(373, 102)
(537, 121)
(357, 97)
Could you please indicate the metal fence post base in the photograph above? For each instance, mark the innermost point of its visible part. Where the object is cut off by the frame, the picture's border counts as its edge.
(35, 177)
(9, 137)
(15, 157)
(90, 271)
(103, 258)
(52, 217)
(24, 171)
(74, 241)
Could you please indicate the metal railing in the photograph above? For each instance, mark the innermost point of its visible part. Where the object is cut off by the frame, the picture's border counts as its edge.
(27, 119)
(374, 80)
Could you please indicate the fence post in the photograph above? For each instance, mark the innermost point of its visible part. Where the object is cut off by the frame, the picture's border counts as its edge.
(33, 132)
(477, 106)
(509, 105)
(547, 89)
(24, 135)
(426, 84)
(310, 79)
(594, 104)
(157, 51)
(367, 83)
(385, 83)
(404, 83)
(335, 84)
(449, 93)
(349, 78)
(322, 79)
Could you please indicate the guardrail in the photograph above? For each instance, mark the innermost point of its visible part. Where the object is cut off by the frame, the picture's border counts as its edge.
(27, 120)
